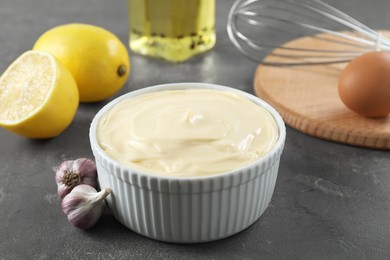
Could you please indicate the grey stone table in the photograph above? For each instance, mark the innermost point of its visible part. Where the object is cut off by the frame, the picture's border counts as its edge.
(331, 201)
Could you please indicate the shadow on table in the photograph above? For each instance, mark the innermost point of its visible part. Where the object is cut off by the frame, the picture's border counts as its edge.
(109, 230)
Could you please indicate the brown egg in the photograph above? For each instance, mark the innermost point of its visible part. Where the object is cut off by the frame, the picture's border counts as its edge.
(364, 84)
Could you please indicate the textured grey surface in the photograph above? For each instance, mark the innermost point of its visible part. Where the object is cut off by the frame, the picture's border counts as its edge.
(331, 201)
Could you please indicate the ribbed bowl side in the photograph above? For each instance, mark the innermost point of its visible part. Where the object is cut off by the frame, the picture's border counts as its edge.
(192, 211)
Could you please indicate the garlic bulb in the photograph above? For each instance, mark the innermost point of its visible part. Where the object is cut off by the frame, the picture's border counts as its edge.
(72, 173)
(83, 206)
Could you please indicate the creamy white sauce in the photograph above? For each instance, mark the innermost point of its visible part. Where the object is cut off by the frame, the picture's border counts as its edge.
(191, 132)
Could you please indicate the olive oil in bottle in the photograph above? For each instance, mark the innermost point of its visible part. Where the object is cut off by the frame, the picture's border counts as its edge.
(174, 30)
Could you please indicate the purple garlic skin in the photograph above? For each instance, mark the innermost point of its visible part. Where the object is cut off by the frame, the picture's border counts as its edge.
(83, 206)
(71, 173)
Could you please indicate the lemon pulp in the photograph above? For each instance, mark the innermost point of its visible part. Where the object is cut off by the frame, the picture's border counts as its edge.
(25, 87)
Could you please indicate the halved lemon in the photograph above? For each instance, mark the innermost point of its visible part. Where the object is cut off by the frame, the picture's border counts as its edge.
(38, 96)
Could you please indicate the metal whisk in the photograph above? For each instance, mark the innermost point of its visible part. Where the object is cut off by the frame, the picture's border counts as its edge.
(258, 27)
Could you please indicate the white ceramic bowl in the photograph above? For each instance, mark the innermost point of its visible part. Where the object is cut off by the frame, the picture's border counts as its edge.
(188, 209)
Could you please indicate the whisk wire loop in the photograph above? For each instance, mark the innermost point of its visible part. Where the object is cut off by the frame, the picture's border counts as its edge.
(252, 22)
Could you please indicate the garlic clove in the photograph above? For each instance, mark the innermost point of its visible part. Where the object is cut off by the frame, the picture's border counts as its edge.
(83, 206)
(74, 172)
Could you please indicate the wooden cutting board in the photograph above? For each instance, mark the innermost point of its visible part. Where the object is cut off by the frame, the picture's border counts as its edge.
(307, 99)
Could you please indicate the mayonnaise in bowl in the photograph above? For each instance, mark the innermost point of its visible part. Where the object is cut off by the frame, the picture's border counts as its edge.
(187, 162)
(187, 132)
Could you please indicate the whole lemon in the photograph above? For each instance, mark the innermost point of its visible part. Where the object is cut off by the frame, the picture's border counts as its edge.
(97, 58)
